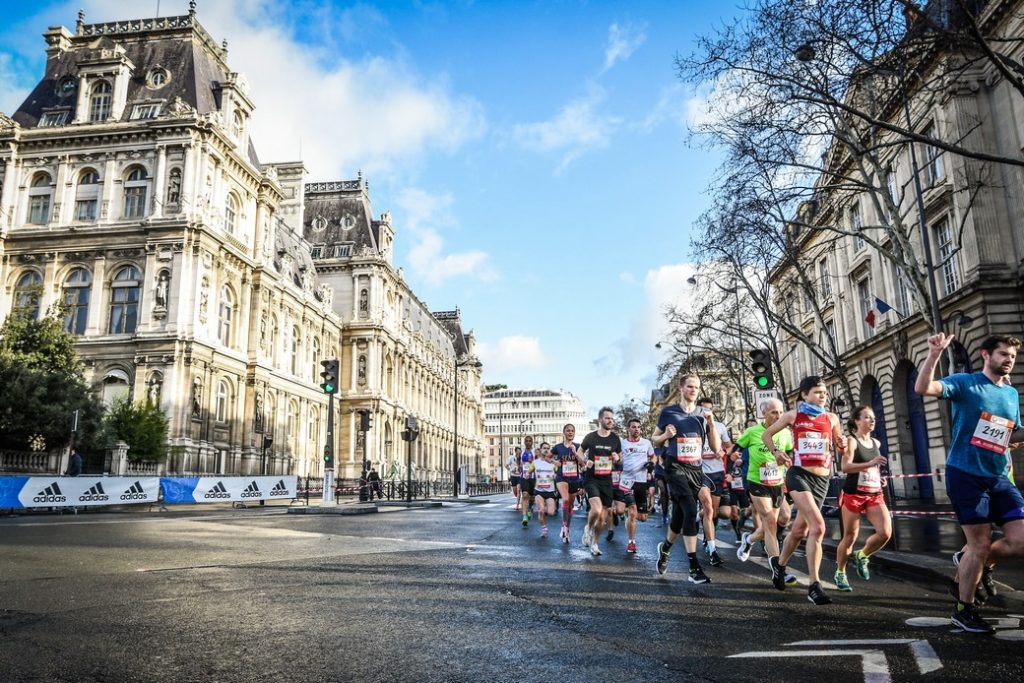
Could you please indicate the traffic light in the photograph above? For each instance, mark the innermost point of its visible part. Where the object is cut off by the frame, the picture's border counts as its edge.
(329, 375)
(761, 366)
(365, 420)
(328, 458)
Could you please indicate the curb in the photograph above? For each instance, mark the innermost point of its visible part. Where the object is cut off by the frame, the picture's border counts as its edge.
(337, 510)
(403, 504)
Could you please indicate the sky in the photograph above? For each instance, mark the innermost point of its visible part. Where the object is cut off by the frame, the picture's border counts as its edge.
(535, 156)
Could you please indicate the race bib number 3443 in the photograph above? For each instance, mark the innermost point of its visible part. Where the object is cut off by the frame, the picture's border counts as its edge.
(992, 433)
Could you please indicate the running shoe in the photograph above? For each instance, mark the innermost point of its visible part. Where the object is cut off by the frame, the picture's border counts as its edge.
(789, 579)
(529, 514)
(543, 532)
(517, 507)
(842, 583)
(611, 534)
(615, 520)
(736, 527)
(957, 556)
(664, 520)
(698, 576)
(816, 594)
(707, 548)
(716, 559)
(969, 619)
(743, 552)
(594, 550)
(778, 573)
(587, 535)
(631, 547)
(662, 559)
(526, 521)
(987, 582)
(565, 534)
(862, 560)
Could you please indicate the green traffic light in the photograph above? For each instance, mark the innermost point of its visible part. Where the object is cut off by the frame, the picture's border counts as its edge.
(328, 388)
(762, 381)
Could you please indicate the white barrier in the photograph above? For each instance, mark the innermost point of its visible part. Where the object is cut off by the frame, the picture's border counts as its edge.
(40, 492)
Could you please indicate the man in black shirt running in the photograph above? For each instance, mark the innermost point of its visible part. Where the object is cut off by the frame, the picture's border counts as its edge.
(602, 449)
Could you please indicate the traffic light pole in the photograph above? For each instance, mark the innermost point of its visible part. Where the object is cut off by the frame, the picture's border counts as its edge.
(328, 497)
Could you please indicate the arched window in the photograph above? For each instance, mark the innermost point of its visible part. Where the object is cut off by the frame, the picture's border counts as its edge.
(124, 301)
(316, 356)
(225, 311)
(99, 101)
(271, 419)
(223, 400)
(238, 126)
(27, 292)
(40, 196)
(76, 298)
(87, 195)
(313, 437)
(136, 188)
(292, 425)
(296, 345)
(230, 214)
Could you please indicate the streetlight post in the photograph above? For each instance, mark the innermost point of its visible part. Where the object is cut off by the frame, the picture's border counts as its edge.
(501, 435)
(735, 290)
(468, 363)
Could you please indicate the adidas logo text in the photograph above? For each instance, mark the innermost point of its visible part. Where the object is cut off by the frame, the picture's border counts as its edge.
(51, 494)
(279, 489)
(218, 491)
(134, 492)
(251, 491)
(95, 494)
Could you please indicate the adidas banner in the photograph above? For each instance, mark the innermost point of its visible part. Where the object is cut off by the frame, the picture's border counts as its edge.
(228, 489)
(38, 492)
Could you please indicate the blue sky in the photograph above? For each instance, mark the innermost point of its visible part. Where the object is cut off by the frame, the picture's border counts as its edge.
(534, 155)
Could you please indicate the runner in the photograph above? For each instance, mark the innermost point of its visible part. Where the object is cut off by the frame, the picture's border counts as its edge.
(765, 474)
(633, 480)
(544, 486)
(602, 449)
(514, 466)
(569, 479)
(861, 494)
(713, 490)
(687, 431)
(815, 431)
(986, 409)
(526, 479)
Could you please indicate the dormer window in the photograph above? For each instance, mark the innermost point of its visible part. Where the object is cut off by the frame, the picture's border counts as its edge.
(100, 99)
(145, 111)
(54, 118)
(238, 126)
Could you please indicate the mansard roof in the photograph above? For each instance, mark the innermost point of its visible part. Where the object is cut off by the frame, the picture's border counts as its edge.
(339, 212)
(451, 321)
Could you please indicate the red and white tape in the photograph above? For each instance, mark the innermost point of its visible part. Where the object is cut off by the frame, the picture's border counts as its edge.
(916, 513)
(915, 476)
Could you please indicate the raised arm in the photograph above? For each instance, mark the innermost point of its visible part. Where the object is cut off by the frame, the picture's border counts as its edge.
(926, 384)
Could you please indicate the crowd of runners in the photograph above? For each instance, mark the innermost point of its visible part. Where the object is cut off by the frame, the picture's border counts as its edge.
(774, 477)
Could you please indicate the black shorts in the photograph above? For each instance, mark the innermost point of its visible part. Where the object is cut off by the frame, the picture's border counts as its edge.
(575, 485)
(547, 495)
(685, 482)
(600, 488)
(739, 498)
(619, 496)
(513, 480)
(526, 486)
(716, 482)
(761, 491)
(640, 490)
(799, 479)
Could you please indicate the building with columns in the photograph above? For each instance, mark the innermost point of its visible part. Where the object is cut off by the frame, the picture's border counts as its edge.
(213, 284)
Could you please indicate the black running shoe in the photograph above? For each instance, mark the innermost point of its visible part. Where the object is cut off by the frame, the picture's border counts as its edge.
(816, 594)
(968, 618)
(716, 559)
(778, 573)
(611, 533)
(662, 559)
(698, 576)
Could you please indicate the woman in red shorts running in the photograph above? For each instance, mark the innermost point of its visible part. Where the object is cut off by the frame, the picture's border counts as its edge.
(861, 494)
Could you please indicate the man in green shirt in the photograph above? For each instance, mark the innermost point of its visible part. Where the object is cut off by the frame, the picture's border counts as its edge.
(764, 477)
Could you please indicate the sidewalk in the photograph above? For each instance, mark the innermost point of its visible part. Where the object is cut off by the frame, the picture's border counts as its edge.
(922, 548)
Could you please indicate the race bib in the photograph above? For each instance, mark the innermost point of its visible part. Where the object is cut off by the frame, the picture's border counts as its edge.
(688, 449)
(812, 450)
(616, 476)
(770, 474)
(992, 433)
(869, 481)
(737, 483)
(626, 484)
(545, 482)
(603, 464)
(569, 469)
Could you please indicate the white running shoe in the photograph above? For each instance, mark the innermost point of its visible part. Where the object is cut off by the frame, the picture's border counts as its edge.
(743, 552)
(594, 550)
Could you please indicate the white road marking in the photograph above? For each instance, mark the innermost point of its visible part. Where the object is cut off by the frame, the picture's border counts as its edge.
(471, 512)
(875, 666)
(924, 654)
(1017, 634)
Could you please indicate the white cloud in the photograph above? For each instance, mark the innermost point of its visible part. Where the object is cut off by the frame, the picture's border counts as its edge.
(515, 352)
(577, 128)
(372, 112)
(426, 215)
(623, 41)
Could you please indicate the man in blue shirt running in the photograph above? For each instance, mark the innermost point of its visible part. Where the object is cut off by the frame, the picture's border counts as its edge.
(986, 412)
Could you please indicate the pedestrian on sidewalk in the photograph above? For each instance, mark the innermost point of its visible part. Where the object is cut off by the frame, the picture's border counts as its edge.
(373, 479)
(74, 464)
(986, 408)
(861, 494)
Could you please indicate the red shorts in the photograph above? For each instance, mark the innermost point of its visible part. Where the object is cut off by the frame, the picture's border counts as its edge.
(858, 502)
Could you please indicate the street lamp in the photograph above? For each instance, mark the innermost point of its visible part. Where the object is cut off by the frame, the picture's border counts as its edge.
(468, 363)
(739, 339)
(501, 435)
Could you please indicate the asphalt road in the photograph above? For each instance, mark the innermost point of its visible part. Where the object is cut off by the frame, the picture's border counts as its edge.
(459, 593)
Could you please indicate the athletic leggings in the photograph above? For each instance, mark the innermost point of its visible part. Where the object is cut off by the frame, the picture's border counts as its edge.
(684, 509)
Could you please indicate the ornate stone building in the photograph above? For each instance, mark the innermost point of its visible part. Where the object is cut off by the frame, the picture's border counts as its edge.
(209, 282)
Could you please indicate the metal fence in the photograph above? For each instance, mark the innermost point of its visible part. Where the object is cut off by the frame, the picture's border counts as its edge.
(313, 487)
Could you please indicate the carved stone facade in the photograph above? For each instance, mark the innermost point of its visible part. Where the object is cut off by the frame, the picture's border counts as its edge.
(129, 189)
